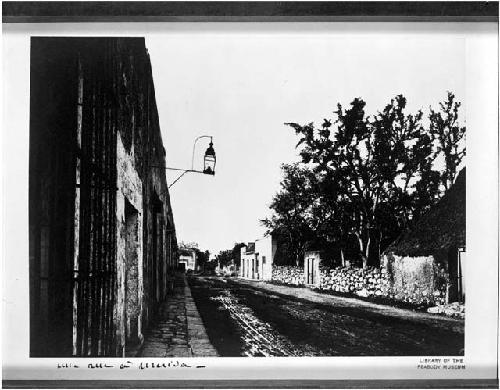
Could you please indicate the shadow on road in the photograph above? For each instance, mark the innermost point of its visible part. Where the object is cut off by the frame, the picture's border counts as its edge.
(240, 324)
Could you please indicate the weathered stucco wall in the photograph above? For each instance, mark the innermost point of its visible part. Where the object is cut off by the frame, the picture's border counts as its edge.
(247, 265)
(258, 264)
(98, 149)
(138, 125)
(415, 279)
(265, 253)
(129, 256)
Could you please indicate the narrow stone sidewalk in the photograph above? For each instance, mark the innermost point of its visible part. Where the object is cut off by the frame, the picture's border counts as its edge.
(178, 331)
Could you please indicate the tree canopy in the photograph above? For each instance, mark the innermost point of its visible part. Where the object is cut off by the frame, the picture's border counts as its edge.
(227, 256)
(363, 180)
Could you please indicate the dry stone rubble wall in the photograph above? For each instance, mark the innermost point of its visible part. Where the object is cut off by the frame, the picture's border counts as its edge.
(288, 275)
(370, 282)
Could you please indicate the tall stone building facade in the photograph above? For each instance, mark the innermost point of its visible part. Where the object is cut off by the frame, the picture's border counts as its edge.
(102, 235)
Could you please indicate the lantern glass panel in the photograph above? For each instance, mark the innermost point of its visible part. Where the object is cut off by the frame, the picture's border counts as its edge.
(209, 165)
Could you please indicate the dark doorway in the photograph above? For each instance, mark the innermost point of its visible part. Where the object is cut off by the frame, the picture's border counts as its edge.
(155, 264)
(310, 271)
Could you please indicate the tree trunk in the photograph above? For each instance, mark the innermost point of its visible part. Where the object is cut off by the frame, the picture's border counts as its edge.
(342, 259)
(362, 250)
(367, 253)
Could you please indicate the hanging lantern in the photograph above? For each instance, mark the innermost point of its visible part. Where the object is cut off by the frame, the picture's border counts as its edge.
(209, 160)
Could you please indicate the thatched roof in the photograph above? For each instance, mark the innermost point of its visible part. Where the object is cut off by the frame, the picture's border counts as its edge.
(441, 228)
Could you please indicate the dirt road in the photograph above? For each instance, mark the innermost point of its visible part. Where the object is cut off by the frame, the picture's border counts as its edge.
(246, 318)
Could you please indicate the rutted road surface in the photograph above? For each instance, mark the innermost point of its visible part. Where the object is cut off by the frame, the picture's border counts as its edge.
(245, 318)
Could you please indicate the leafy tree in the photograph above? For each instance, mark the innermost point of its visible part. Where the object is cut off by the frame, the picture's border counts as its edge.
(224, 257)
(291, 206)
(449, 136)
(347, 160)
(209, 268)
(236, 252)
(202, 257)
(366, 178)
(404, 158)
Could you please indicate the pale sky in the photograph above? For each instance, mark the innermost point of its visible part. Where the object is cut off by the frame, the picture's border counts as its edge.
(241, 85)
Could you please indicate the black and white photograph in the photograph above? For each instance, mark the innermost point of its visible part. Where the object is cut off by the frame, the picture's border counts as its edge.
(350, 242)
(251, 190)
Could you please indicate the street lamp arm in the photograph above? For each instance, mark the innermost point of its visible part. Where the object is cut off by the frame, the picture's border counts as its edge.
(184, 171)
(175, 169)
(178, 178)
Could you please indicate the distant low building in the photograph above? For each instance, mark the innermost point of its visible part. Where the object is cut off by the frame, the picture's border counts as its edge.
(429, 260)
(257, 259)
(187, 259)
(247, 262)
